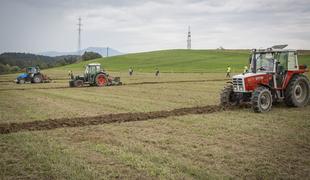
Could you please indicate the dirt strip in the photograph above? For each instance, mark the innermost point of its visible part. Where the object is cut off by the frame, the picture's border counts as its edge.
(128, 84)
(184, 81)
(6, 128)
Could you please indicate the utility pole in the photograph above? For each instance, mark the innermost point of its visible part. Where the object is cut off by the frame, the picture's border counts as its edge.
(189, 38)
(107, 51)
(79, 34)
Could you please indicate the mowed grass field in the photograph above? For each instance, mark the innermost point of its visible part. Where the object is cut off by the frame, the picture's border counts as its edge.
(228, 144)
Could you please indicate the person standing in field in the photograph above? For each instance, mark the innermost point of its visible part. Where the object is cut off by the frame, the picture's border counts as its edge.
(157, 72)
(228, 71)
(70, 75)
(130, 71)
(245, 70)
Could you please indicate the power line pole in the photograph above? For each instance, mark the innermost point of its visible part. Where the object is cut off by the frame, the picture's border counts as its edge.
(189, 38)
(108, 51)
(79, 34)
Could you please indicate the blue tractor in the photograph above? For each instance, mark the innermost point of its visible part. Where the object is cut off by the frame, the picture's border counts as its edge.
(32, 75)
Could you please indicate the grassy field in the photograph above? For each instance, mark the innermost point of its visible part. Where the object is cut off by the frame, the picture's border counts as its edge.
(175, 61)
(228, 144)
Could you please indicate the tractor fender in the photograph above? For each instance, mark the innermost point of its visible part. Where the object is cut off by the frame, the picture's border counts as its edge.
(267, 86)
(22, 76)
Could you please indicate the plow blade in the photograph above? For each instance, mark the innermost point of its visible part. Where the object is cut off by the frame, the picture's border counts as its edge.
(115, 81)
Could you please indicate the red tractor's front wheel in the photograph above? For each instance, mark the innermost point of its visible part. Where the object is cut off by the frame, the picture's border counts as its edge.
(227, 96)
(261, 100)
(101, 80)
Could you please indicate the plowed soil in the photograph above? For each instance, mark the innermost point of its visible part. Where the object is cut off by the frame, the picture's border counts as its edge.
(6, 128)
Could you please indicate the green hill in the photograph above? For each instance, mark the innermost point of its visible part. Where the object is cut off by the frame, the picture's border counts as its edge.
(176, 61)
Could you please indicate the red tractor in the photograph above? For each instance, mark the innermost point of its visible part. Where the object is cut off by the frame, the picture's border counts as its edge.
(274, 76)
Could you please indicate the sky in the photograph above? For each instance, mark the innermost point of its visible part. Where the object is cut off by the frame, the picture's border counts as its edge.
(146, 25)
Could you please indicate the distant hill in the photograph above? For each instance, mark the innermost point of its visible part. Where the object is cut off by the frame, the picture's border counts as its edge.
(101, 50)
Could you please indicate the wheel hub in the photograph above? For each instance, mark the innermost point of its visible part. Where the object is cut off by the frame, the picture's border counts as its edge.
(300, 92)
(265, 101)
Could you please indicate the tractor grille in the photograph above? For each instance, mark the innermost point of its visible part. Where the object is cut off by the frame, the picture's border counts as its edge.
(238, 84)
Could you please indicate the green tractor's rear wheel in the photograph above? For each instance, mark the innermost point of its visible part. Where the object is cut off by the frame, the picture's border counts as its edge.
(78, 83)
(101, 80)
(297, 93)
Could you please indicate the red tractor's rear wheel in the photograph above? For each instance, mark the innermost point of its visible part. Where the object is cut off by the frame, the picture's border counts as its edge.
(261, 100)
(297, 93)
(101, 80)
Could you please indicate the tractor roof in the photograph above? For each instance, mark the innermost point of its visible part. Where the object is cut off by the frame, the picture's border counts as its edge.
(276, 48)
(94, 64)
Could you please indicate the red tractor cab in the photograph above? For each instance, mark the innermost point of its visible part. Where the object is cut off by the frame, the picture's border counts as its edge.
(274, 76)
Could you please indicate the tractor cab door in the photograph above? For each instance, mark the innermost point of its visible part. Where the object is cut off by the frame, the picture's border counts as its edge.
(86, 73)
(282, 58)
(287, 61)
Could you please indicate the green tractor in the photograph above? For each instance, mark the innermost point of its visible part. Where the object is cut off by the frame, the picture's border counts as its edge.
(94, 76)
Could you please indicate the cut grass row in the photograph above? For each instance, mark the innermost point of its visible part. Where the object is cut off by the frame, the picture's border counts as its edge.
(40, 104)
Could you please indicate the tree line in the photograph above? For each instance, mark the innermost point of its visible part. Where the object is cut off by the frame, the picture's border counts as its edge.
(17, 62)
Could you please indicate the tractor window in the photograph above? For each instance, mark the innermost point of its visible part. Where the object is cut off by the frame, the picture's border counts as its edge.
(97, 69)
(292, 61)
(86, 70)
(282, 58)
(264, 62)
(94, 69)
(31, 70)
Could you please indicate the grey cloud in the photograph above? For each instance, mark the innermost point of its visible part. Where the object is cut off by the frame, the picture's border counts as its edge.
(147, 25)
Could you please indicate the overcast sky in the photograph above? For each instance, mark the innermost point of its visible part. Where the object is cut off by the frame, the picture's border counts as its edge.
(145, 25)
